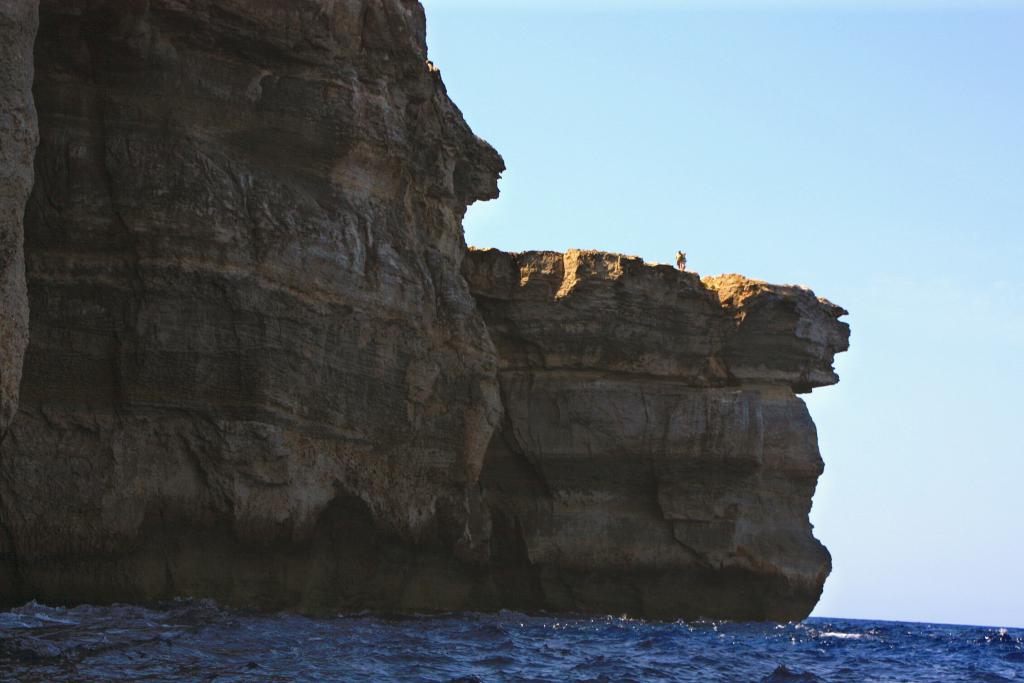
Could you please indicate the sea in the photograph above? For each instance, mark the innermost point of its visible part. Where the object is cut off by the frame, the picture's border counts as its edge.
(194, 640)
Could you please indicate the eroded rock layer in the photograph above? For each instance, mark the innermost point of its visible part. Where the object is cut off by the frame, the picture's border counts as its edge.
(263, 369)
(654, 458)
(18, 19)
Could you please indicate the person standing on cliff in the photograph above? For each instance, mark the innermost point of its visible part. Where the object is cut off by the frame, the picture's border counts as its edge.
(681, 260)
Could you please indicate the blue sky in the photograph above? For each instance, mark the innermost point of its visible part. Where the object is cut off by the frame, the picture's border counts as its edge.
(873, 151)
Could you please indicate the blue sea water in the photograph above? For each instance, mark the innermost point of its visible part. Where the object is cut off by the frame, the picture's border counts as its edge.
(197, 640)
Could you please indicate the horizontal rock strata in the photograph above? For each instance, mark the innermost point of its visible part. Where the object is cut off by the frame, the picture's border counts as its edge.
(263, 368)
(243, 248)
(654, 458)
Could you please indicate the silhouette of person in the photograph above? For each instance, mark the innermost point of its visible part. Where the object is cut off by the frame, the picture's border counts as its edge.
(681, 260)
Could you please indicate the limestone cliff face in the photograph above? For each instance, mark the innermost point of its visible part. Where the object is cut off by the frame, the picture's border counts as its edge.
(263, 369)
(654, 458)
(18, 19)
(243, 251)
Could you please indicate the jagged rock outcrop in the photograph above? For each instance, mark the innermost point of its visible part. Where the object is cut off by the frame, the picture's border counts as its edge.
(18, 19)
(262, 367)
(654, 458)
(783, 335)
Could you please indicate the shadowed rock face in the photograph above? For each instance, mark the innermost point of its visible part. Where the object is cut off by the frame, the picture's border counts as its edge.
(263, 369)
(654, 458)
(18, 19)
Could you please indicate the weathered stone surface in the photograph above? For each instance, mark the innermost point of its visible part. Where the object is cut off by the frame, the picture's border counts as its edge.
(263, 369)
(243, 251)
(18, 138)
(783, 333)
(654, 458)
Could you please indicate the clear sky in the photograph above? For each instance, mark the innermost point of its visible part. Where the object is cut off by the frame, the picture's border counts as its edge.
(872, 151)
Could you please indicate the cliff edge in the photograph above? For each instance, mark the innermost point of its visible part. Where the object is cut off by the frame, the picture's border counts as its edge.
(263, 368)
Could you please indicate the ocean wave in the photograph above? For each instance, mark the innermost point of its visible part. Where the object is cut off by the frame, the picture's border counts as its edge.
(842, 636)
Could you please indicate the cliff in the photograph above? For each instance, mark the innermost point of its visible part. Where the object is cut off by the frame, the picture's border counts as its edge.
(654, 458)
(243, 249)
(262, 367)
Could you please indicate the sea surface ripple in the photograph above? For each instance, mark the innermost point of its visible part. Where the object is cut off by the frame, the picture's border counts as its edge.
(197, 640)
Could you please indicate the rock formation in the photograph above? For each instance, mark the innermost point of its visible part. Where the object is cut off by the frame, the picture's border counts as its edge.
(243, 248)
(18, 19)
(653, 457)
(263, 369)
